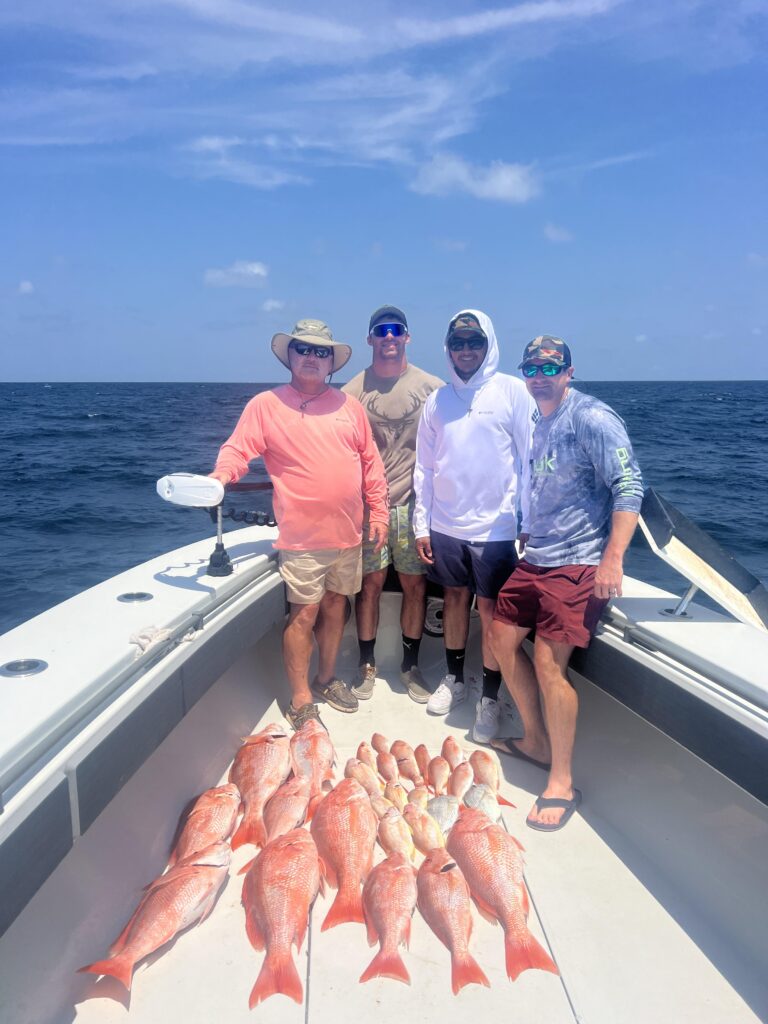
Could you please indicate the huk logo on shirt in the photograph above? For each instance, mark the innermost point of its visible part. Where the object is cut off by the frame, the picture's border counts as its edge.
(545, 465)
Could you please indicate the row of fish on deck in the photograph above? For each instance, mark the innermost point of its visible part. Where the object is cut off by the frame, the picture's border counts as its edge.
(445, 807)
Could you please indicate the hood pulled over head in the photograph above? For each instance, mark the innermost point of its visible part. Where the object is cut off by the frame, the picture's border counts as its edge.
(490, 364)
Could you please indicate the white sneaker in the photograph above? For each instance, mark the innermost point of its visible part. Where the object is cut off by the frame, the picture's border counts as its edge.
(448, 694)
(487, 712)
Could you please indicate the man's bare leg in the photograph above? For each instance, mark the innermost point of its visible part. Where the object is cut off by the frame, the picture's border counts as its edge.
(456, 601)
(367, 604)
(485, 606)
(561, 707)
(414, 604)
(297, 650)
(330, 627)
(520, 679)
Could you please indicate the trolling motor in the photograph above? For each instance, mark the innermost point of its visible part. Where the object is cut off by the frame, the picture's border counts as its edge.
(195, 491)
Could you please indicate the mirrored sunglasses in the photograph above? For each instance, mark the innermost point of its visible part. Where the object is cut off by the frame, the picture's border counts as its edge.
(382, 330)
(547, 369)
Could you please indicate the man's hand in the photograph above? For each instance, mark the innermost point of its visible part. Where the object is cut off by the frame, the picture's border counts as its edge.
(377, 533)
(424, 550)
(222, 477)
(608, 577)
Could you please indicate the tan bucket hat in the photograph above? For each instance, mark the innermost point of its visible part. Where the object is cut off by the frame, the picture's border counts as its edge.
(314, 332)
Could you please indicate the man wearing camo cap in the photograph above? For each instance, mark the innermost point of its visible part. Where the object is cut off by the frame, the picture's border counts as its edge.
(320, 454)
(585, 496)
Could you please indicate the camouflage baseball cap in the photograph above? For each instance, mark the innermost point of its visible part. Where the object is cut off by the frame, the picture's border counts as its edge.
(463, 325)
(553, 350)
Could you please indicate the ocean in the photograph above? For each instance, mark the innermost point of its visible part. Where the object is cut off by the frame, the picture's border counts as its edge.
(79, 462)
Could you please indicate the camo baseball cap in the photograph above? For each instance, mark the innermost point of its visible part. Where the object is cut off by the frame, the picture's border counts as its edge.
(464, 325)
(553, 350)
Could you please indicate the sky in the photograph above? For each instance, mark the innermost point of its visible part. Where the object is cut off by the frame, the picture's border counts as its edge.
(180, 179)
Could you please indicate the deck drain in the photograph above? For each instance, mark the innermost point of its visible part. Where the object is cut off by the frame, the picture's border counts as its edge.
(132, 598)
(23, 667)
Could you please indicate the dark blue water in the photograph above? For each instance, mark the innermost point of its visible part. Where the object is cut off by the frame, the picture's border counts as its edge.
(79, 462)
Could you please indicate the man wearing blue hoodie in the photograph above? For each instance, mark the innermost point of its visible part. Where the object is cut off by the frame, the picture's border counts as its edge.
(471, 477)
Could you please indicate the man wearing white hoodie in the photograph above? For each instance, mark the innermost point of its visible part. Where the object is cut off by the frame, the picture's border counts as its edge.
(471, 477)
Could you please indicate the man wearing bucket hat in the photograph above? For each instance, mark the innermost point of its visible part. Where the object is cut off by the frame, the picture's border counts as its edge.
(585, 496)
(320, 454)
(393, 391)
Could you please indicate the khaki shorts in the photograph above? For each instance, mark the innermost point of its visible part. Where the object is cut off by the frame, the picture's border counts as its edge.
(400, 546)
(308, 574)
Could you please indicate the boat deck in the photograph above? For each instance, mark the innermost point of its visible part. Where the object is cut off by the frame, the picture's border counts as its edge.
(613, 896)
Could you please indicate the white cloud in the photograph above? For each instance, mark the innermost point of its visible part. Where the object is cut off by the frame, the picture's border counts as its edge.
(484, 22)
(757, 331)
(26, 287)
(554, 233)
(273, 305)
(241, 274)
(641, 337)
(447, 175)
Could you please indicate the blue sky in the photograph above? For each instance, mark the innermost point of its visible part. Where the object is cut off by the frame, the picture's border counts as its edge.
(182, 178)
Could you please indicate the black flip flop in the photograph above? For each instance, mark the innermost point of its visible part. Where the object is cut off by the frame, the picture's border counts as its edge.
(507, 746)
(544, 802)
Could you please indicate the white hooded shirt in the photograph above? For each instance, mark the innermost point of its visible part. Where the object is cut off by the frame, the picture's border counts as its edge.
(472, 452)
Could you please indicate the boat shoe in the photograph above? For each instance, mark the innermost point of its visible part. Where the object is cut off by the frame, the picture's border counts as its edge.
(364, 681)
(300, 716)
(337, 694)
(414, 683)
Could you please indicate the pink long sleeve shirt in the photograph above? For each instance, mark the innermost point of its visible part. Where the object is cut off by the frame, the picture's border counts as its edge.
(323, 463)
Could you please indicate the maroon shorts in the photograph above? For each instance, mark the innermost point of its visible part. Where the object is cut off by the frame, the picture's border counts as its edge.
(558, 602)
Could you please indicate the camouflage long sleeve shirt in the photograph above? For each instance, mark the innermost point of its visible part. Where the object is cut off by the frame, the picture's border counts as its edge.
(582, 470)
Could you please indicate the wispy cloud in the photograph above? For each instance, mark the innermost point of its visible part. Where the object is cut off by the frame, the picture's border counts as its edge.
(438, 30)
(757, 259)
(555, 233)
(447, 175)
(450, 245)
(273, 305)
(241, 274)
(25, 288)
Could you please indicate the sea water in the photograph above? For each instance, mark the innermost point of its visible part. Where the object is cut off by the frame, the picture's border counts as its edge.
(79, 462)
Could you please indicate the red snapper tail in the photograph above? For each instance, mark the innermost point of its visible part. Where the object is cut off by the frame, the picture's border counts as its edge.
(465, 970)
(278, 974)
(526, 953)
(348, 906)
(387, 964)
(120, 967)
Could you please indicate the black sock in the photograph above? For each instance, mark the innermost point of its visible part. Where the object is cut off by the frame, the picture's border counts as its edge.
(410, 652)
(455, 661)
(366, 651)
(491, 683)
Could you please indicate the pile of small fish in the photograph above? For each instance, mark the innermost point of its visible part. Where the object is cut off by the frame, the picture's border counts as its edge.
(446, 807)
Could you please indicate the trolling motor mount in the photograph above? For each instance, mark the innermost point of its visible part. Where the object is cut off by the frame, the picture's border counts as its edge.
(195, 491)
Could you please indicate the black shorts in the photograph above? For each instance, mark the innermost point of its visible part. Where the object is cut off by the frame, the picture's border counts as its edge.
(482, 566)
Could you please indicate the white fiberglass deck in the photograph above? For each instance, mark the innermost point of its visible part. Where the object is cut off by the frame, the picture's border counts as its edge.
(615, 895)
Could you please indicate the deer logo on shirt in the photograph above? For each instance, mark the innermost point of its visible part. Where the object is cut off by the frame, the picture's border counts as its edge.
(392, 429)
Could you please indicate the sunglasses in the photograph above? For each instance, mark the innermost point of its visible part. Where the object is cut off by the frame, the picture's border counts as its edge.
(382, 330)
(475, 343)
(303, 349)
(548, 369)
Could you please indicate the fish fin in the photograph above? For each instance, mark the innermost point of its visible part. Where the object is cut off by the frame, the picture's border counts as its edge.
(465, 970)
(327, 874)
(278, 974)
(122, 938)
(120, 967)
(247, 866)
(250, 831)
(314, 802)
(347, 907)
(254, 932)
(485, 911)
(526, 954)
(517, 843)
(525, 900)
(502, 800)
(371, 932)
(387, 965)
